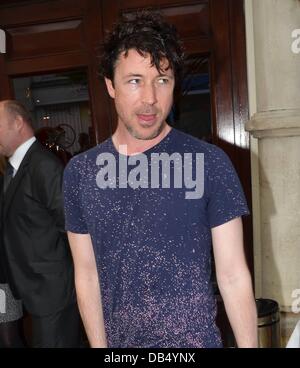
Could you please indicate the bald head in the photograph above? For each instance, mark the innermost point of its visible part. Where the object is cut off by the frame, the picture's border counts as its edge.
(15, 126)
(16, 109)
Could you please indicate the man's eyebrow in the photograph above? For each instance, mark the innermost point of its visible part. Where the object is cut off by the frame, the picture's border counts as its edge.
(133, 75)
(166, 75)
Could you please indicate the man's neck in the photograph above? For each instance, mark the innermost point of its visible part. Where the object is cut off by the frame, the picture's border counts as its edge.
(134, 145)
(22, 140)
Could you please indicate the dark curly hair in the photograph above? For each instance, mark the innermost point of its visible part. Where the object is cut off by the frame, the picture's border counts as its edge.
(148, 33)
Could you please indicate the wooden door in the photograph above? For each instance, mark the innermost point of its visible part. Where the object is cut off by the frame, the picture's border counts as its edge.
(53, 36)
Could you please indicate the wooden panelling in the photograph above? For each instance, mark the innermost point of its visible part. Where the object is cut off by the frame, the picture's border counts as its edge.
(191, 21)
(241, 114)
(45, 39)
(221, 74)
(53, 36)
(5, 83)
(93, 37)
(137, 4)
(36, 12)
(46, 64)
(191, 18)
(197, 46)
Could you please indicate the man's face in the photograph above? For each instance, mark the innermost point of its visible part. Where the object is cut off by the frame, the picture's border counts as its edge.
(143, 95)
(8, 133)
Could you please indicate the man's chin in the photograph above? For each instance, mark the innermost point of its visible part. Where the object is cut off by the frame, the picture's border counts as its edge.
(145, 137)
(146, 134)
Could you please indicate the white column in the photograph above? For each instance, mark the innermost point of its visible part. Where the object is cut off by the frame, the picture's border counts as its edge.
(274, 95)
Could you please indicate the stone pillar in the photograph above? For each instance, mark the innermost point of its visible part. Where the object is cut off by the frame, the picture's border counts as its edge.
(274, 86)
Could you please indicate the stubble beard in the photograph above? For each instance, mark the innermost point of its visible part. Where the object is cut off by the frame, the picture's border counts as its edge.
(135, 134)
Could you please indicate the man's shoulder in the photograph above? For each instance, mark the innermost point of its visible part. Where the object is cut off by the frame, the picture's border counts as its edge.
(38, 153)
(87, 158)
(189, 143)
(214, 157)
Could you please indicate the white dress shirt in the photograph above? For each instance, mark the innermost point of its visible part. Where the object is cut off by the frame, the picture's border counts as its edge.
(17, 157)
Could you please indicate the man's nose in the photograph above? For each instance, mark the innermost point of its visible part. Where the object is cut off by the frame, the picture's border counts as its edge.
(149, 95)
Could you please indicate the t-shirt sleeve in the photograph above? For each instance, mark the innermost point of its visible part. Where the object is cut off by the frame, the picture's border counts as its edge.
(72, 191)
(226, 199)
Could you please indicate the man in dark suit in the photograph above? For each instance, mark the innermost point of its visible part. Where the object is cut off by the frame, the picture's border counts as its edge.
(38, 265)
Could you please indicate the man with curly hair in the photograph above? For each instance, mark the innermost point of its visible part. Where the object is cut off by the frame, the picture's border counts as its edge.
(140, 239)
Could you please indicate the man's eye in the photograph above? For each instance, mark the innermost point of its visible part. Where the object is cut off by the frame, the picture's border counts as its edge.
(163, 80)
(134, 81)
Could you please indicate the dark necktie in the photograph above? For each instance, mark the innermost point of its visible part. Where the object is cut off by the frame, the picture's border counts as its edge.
(8, 175)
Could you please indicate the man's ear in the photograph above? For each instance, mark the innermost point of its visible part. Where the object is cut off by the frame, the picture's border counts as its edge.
(19, 122)
(110, 87)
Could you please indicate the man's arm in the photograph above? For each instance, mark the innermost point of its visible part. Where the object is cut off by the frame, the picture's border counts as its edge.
(234, 282)
(87, 288)
(47, 180)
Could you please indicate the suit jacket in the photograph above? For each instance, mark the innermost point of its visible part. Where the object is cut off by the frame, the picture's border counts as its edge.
(38, 263)
(2, 260)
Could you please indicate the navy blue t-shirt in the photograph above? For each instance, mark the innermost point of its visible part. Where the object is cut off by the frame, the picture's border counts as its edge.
(153, 245)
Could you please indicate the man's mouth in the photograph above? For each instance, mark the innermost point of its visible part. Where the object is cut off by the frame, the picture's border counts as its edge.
(147, 117)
